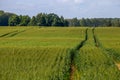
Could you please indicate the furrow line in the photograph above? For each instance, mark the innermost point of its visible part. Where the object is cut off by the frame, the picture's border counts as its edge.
(73, 53)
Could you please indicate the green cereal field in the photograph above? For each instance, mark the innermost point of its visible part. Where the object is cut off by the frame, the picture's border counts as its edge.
(59, 53)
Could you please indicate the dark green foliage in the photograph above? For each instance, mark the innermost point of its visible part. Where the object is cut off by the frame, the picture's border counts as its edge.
(115, 22)
(74, 22)
(52, 19)
(83, 22)
(4, 17)
(14, 20)
(41, 19)
(33, 21)
(24, 20)
(56, 22)
(49, 19)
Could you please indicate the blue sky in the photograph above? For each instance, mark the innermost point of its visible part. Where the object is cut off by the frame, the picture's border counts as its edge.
(66, 8)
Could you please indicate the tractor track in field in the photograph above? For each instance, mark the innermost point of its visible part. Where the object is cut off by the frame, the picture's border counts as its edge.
(73, 52)
(8, 33)
(13, 33)
(95, 39)
(112, 53)
(18, 32)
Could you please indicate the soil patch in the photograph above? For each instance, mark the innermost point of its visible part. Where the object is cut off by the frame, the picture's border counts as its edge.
(72, 70)
(118, 65)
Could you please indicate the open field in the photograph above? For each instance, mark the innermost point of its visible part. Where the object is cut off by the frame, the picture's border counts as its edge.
(40, 37)
(93, 62)
(69, 53)
(110, 43)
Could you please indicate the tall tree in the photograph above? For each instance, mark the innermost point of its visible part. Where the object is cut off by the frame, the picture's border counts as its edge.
(66, 23)
(24, 20)
(4, 18)
(14, 20)
(73, 22)
(33, 21)
(50, 18)
(83, 22)
(41, 20)
(88, 22)
(56, 21)
(116, 22)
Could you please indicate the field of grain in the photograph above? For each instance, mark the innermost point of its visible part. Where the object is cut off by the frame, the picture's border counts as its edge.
(110, 43)
(93, 62)
(59, 53)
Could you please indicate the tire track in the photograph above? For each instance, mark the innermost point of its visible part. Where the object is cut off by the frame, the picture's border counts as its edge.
(83, 42)
(16, 33)
(13, 33)
(73, 53)
(6, 34)
(110, 52)
(97, 44)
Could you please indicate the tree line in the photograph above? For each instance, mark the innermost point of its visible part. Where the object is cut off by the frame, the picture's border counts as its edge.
(95, 22)
(43, 19)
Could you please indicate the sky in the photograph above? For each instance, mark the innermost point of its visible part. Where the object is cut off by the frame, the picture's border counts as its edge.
(66, 8)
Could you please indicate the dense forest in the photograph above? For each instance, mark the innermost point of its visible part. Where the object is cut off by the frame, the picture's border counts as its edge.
(43, 19)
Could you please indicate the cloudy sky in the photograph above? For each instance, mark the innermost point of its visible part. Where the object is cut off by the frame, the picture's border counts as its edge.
(66, 8)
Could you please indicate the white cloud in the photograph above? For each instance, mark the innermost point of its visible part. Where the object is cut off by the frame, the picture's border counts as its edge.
(65, 0)
(67, 8)
(71, 1)
(78, 1)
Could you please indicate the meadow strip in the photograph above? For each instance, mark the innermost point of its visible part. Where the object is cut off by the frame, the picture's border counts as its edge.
(73, 53)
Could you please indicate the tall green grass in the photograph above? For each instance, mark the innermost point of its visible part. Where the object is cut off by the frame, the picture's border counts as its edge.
(34, 63)
(37, 53)
(92, 63)
(110, 40)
